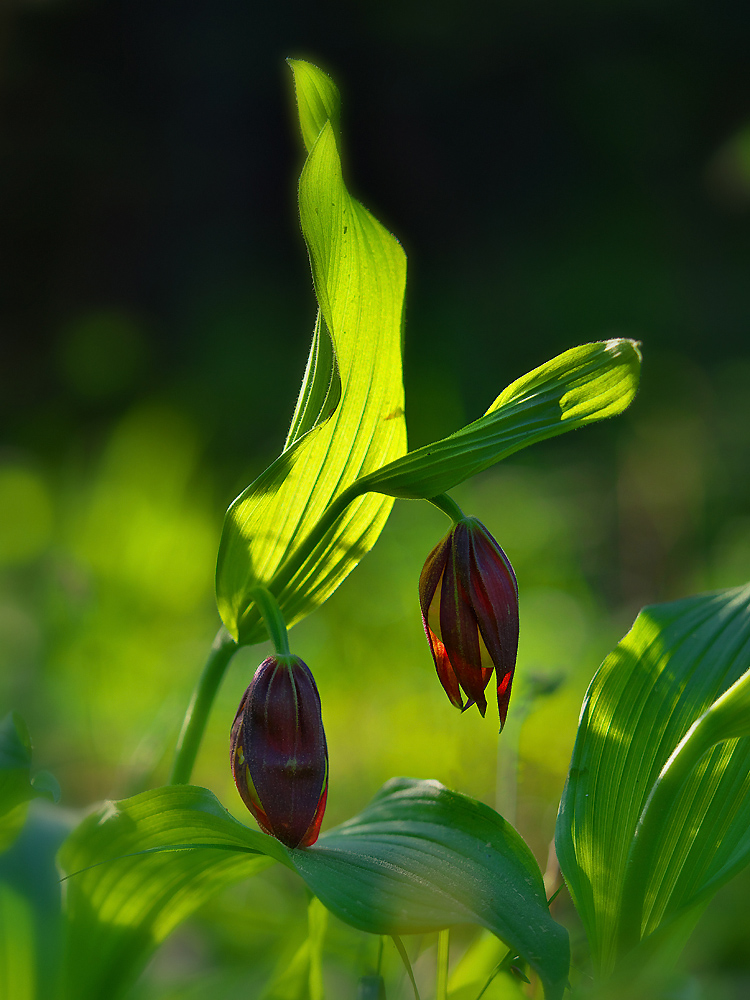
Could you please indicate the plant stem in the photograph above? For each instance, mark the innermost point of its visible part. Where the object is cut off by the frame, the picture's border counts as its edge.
(407, 964)
(503, 966)
(448, 506)
(196, 717)
(441, 988)
(272, 619)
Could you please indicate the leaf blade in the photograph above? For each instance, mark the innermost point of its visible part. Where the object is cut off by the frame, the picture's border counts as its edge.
(580, 386)
(421, 857)
(669, 670)
(359, 272)
(137, 868)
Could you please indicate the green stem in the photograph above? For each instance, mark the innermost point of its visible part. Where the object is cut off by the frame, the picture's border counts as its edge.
(503, 966)
(407, 964)
(196, 717)
(272, 618)
(441, 989)
(448, 506)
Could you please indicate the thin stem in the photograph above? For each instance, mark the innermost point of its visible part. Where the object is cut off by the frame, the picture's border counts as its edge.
(272, 618)
(448, 506)
(196, 717)
(441, 989)
(503, 966)
(407, 964)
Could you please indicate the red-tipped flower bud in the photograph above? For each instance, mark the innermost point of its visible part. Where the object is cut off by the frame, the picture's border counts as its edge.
(279, 753)
(469, 599)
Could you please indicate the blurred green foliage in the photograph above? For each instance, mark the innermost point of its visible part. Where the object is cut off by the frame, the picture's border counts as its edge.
(557, 174)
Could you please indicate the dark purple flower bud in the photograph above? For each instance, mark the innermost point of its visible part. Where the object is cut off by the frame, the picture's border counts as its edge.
(279, 753)
(469, 599)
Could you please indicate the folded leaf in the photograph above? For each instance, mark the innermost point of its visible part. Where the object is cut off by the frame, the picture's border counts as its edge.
(349, 418)
(318, 101)
(136, 869)
(576, 388)
(656, 811)
(421, 857)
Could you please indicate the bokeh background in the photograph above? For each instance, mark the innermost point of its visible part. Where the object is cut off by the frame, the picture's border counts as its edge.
(557, 173)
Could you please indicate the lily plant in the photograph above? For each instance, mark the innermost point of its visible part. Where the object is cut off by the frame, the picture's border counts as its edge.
(655, 814)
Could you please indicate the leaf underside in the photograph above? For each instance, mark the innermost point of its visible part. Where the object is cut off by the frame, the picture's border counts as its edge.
(421, 857)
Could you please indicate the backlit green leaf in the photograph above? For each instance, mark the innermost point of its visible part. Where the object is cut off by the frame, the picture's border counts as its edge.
(349, 418)
(125, 891)
(318, 101)
(663, 725)
(576, 388)
(421, 857)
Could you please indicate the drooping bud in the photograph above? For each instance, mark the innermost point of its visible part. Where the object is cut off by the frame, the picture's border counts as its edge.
(279, 753)
(469, 599)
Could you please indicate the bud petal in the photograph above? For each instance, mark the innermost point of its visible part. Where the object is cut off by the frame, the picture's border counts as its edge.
(469, 600)
(278, 751)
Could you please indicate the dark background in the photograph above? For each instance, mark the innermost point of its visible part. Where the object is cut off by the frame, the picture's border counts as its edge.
(557, 173)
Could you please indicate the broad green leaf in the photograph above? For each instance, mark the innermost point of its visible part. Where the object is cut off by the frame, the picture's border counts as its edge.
(349, 418)
(17, 787)
(17, 948)
(576, 388)
(662, 725)
(418, 858)
(421, 858)
(135, 869)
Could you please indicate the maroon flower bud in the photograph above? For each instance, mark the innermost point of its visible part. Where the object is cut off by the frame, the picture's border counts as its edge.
(279, 753)
(469, 599)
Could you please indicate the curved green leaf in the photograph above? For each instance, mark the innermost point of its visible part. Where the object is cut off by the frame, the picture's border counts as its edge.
(576, 388)
(421, 857)
(656, 811)
(349, 418)
(136, 869)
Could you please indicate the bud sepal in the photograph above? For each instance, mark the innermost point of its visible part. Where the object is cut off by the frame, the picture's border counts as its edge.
(278, 748)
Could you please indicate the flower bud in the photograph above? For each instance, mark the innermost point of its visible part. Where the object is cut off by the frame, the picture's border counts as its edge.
(469, 599)
(279, 754)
